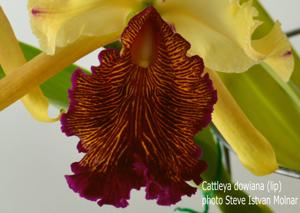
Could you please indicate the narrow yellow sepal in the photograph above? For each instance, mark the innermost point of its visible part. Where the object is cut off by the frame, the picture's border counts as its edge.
(253, 149)
(42, 67)
(11, 57)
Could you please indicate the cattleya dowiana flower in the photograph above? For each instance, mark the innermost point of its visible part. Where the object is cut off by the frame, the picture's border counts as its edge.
(220, 31)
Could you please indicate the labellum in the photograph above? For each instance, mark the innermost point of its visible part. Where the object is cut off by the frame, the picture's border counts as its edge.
(136, 116)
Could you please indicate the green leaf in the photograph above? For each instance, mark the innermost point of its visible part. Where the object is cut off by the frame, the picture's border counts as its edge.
(114, 45)
(186, 210)
(1, 73)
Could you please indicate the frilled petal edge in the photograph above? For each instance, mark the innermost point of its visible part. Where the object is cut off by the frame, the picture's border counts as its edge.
(221, 32)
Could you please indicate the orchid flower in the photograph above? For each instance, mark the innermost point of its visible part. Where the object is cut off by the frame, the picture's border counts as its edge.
(219, 31)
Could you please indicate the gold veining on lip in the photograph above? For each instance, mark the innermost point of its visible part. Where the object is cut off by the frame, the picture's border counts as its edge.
(143, 104)
(159, 106)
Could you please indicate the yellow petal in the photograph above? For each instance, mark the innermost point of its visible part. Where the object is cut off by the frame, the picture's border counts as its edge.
(220, 31)
(11, 57)
(252, 148)
(58, 23)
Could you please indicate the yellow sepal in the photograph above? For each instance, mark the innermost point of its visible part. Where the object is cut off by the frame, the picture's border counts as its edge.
(253, 149)
(42, 67)
(11, 57)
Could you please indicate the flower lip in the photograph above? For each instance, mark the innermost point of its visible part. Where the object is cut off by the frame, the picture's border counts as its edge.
(143, 48)
(136, 124)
